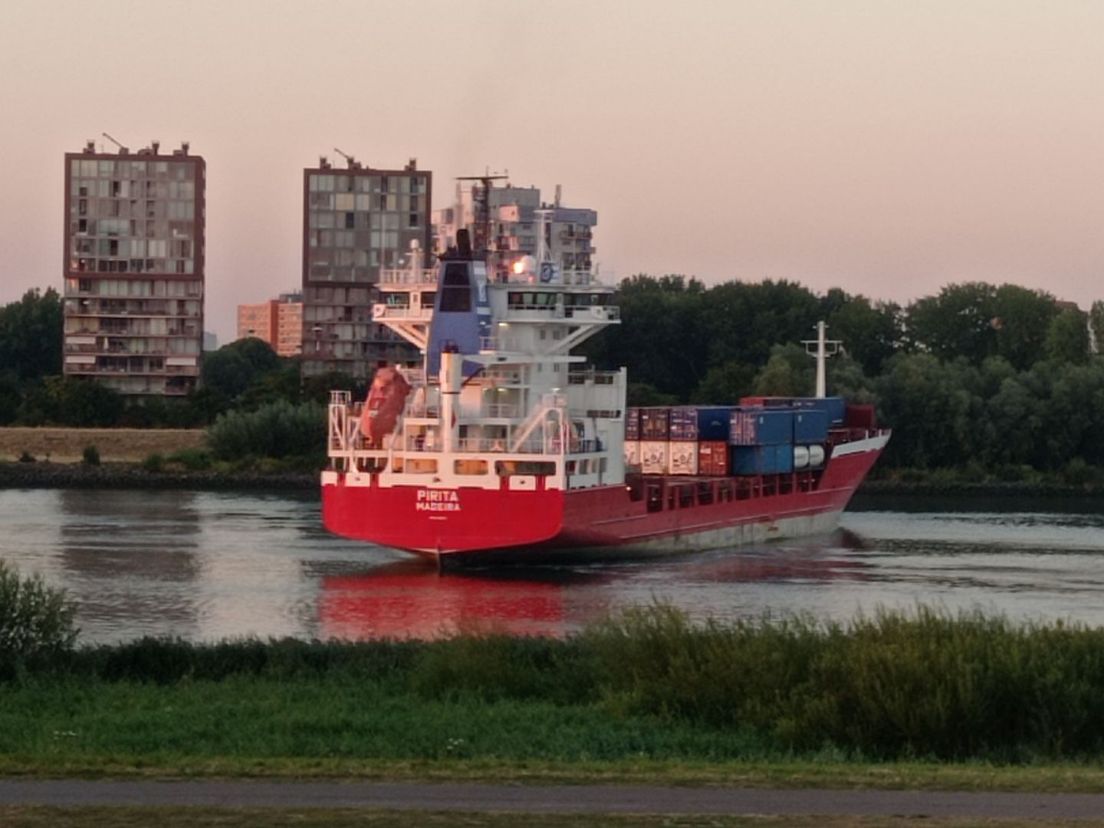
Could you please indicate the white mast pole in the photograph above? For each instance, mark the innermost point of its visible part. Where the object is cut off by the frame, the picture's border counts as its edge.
(821, 361)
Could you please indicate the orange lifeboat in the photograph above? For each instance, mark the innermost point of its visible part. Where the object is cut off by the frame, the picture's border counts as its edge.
(386, 398)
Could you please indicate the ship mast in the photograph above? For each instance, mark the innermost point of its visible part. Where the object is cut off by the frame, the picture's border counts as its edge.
(821, 348)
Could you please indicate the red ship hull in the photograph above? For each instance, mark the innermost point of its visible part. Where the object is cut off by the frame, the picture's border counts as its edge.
(476, 525)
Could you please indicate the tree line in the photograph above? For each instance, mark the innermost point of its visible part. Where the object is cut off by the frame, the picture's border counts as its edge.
(992, 379)
(245, 375)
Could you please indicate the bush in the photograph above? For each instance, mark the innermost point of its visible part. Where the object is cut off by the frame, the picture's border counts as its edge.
(191, 459)
(35, 620)
(154, 463)
(91, 456)
(26, 457)
(277, 430)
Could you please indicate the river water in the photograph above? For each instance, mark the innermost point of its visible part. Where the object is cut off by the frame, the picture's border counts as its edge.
(206, 566)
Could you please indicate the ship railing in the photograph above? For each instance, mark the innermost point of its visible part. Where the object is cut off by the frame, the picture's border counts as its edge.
(414, 376)
(585, 446)
(383, 311)
(496, 445)
(406, 276)
(502, 410)
(499, 343)
(593, 376)
(596, 312)
(503, 375)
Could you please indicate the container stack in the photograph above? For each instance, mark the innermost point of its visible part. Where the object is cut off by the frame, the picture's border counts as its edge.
(683, 446)
(761, 441)
(773, 435)
(713, 425)
(655, 432)
(632, 437)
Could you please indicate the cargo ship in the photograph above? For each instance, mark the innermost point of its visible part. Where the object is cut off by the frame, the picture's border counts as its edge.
(503, 446)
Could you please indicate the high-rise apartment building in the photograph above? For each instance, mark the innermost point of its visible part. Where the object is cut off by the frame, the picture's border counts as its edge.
(134, 268)
(279, 322)
(519, 224)
(358, 222)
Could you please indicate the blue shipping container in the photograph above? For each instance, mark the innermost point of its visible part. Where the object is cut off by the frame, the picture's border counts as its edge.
(761, 427)
(713, 423)
(834, 406)
(810, 426)
(753, 460)
(684, 423)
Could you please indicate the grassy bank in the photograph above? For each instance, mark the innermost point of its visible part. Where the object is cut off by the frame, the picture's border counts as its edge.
(190, 817)
(645, 696)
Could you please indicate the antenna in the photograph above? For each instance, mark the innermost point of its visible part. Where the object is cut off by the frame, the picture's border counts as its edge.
(481, 200)
(352, 162)
(122, 150)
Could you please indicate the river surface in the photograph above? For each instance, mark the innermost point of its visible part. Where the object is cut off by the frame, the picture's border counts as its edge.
(210, 565)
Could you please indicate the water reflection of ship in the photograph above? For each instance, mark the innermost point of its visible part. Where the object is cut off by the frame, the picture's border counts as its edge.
(408, 600)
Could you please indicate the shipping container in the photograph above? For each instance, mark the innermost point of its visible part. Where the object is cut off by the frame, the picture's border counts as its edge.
(632, 452)
(761, 427)
(684, 423)
(766, 402)
(837, 409)
(632, 424)
(860, 416)
(753, 460)
(713, 423)
(810, 426)
(713, 457)
(653, 456)
(655, 423)
(682, 457)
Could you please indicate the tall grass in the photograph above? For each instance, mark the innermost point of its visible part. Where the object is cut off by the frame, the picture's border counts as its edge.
(923, 684)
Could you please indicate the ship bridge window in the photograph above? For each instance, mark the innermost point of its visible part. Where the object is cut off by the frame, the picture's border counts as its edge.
(456, 289)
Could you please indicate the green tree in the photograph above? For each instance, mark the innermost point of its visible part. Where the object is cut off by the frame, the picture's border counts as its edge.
(234, 367)
(1022, 318)
(960, 321)
(72, 402)
(725, 384)
(1067, 337)
(788, 373)
(30, 335)
(870, 332)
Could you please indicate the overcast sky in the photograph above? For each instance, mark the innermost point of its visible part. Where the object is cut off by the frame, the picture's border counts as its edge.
(887, 148)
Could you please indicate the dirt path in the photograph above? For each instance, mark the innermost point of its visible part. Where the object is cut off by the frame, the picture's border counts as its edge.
(611, 799)
(115, 445)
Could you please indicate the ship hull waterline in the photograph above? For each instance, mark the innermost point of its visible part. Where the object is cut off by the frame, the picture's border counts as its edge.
(480, 526)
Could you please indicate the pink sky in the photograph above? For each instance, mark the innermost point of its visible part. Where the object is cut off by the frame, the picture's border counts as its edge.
(887, 148)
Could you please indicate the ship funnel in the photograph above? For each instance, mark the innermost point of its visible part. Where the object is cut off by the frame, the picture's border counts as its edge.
(463, 243)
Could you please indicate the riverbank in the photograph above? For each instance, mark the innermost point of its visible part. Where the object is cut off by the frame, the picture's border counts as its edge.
(118, 445)
(643, 696)
(42, 475)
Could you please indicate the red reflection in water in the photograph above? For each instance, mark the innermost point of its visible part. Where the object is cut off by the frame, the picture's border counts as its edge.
(419, 603)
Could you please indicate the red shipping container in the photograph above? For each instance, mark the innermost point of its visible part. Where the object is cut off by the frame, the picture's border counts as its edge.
(859, 416)
(713, 457)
